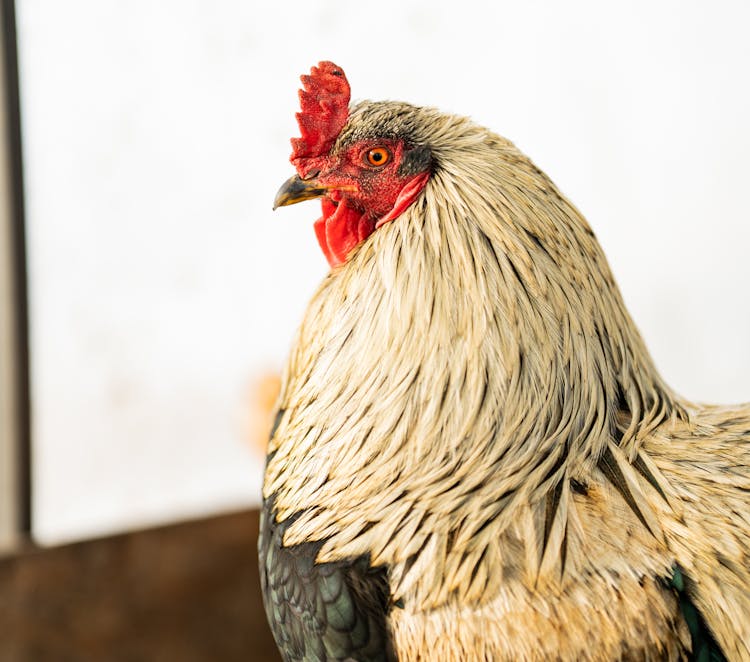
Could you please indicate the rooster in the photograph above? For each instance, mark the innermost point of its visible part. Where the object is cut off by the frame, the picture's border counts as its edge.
(474, 457)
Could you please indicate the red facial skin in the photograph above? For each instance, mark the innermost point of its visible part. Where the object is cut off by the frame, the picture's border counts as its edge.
(360, 197)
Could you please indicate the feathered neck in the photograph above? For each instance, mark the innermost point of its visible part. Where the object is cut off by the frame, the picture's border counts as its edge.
(478, 344)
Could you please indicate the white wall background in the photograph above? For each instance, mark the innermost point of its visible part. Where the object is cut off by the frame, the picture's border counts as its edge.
(156, 135)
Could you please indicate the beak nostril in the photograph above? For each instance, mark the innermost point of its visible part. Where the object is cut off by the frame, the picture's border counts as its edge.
(311, 175)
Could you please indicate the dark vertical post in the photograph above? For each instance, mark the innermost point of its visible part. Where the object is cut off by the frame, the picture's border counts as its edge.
(16, 428)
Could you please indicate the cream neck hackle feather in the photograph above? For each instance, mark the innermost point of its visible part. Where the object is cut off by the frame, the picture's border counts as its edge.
(470, 357)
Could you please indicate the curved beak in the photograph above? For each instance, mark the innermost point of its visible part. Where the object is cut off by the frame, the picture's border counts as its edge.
(295, 190)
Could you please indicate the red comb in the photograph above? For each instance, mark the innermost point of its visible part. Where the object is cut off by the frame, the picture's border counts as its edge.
(324, 104)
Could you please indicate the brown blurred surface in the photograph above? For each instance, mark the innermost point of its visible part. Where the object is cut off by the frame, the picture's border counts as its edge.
(184, 593)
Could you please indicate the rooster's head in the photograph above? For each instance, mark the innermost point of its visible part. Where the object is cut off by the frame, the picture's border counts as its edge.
(365, 174)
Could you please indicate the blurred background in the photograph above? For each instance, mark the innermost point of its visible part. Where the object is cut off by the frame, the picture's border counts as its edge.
(162, 292)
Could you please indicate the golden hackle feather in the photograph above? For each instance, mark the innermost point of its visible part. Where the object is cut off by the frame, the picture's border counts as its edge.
(469, 403)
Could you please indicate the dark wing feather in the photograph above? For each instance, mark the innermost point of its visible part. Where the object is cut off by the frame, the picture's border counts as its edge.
(705, 648)
(321, 611)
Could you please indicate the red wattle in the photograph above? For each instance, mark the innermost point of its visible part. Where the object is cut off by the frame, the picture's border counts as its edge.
(340, 230)
(342, 227)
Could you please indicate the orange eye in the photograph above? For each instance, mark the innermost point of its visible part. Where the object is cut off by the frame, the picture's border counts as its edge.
(378, 156)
